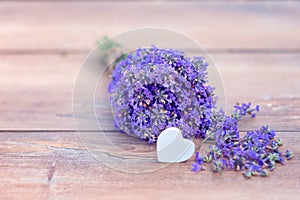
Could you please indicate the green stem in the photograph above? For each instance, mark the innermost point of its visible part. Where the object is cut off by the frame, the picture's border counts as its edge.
(205, 139)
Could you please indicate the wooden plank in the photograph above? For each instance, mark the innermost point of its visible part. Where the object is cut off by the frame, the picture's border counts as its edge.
(35, 90)
(78, 25)
(46, 84)
(28, 158)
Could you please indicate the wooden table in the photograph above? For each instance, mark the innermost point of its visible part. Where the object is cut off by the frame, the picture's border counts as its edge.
(255, 44)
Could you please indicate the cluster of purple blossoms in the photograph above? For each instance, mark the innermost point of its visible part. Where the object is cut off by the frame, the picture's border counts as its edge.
(153, 88)
(254, 153)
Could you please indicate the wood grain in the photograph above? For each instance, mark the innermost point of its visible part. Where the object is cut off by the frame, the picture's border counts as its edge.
(28, 158)
(76, 26)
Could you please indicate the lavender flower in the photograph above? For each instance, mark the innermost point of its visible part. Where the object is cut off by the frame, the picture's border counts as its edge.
(197, 166)
(288, 154)
(244, 109)
(254, 153)
(152, 89)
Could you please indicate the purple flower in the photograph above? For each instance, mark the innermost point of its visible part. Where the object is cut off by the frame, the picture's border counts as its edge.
(257, 108)
(218, 165)
(196, 167)
(254, 153)
(244, 109)
(198, 158)
(288, 154)
(152, 89)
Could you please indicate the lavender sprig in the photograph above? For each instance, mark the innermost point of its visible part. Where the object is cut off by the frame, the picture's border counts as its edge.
(254, 153)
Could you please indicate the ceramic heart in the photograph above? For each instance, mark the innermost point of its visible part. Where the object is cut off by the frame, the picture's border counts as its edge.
(172, 147)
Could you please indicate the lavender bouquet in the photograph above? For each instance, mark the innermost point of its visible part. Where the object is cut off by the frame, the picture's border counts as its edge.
(154, 88)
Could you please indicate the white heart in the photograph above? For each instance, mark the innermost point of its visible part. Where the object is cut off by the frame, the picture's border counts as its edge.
(172, 147)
